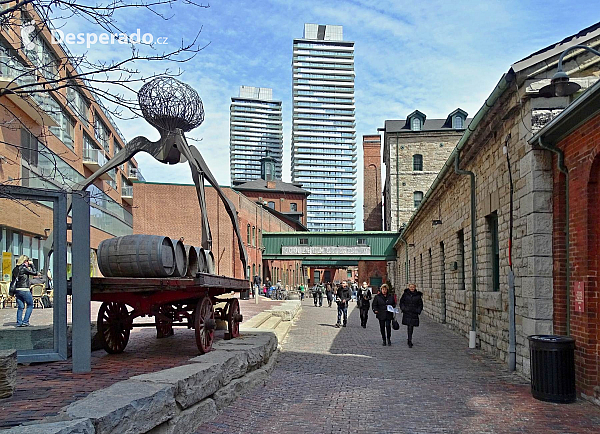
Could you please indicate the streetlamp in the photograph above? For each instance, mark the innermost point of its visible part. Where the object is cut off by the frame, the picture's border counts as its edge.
(560, 84)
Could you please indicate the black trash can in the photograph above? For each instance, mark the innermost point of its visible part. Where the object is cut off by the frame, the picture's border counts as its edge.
(245, 295)
(552, 368)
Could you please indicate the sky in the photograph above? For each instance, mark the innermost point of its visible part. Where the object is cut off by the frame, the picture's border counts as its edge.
(433, 56)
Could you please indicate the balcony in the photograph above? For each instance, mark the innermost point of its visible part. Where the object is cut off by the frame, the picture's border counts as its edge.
(94, 159)
(134, 174)
(13, 74)
(127, 193)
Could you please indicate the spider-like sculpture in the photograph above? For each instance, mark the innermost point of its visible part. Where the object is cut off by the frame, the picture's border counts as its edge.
(174, 108)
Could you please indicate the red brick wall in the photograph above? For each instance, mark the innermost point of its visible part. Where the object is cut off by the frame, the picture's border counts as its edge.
(282, 201)
(372, 209)
(368, 269)
(173, 210)
(582, 158)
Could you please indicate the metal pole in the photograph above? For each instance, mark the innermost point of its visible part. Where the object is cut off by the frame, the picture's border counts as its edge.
(81, 285)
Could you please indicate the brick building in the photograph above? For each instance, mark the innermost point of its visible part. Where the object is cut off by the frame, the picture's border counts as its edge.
(414, 151)
(183, 220)
(437, 249)
(575, 134)
(52, 140)
(372, 207)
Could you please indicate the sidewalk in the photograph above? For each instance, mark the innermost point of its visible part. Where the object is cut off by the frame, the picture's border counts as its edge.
(43, 389)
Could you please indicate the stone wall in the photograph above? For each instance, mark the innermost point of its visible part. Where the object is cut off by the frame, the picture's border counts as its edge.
(401, 180)
(440, 265)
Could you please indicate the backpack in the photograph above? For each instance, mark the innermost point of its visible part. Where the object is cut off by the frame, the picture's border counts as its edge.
(46, 301)
(12, 289)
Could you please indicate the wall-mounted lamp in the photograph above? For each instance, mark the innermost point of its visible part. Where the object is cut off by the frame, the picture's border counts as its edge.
(560, 84)
(436, 222)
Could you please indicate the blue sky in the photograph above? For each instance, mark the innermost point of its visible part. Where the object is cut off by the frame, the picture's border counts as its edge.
(433, 56)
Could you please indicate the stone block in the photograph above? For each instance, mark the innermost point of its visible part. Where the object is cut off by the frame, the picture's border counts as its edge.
(537, 245)
(490, 300)
(234, 364)
(460, 296)
(540, 308)
(238, 387)
(191, 383)
(77, 426)
(539, 223)
(8, 372)
(536, 327)
(537, 287)
(539, 266)
(185, 420)
(126, 407)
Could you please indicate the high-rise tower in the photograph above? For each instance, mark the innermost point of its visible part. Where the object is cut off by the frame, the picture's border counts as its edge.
(254, 128)
(323, 132)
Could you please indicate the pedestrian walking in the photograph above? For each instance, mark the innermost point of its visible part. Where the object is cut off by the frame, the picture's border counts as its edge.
(411, 305)
(20, 277)
(329, 293)
(380, 308)
(257, 282)
(364, 304)
(278, 290)
(302, 289)
(318, 295)
(342, 299)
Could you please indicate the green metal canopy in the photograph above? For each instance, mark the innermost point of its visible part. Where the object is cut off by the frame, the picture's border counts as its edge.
(330, 248)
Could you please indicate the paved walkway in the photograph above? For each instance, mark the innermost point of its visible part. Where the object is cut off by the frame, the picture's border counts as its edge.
(44, 388)
(330, 380)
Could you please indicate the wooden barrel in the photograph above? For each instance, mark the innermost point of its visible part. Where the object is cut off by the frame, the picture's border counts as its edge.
(202, 268)
(210, 262)
(180, 258)
(192, 260)
(136, 256)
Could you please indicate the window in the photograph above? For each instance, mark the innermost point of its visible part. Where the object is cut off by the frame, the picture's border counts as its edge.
(259, 241)
(418, 197)
(253, 238)
(415, 124)
(461, 259)
(78, 103)
(248, 235)
(418, 162)
(293, 207)
(304, 241)
(102, 134)
(492, 221)
(457, 122)
(64, 130)
(271, 205)
(29, 147)
(361, 241)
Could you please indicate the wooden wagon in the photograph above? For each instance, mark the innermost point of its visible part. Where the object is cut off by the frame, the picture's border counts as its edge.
(193, 302)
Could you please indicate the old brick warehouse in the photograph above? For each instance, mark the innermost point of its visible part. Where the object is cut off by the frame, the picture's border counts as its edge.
(436, 249)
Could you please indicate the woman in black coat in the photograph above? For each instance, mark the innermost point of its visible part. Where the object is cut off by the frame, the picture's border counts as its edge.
(380, 303)
(411, 305)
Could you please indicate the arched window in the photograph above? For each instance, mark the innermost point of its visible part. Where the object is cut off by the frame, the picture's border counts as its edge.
(458, 122)
(271, 205)
(293, 206)
(418, 197)
(418, 162)
(248, 234)
(415, 124)
(253, 235)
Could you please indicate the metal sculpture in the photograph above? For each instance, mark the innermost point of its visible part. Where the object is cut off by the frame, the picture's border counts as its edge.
(174, 108)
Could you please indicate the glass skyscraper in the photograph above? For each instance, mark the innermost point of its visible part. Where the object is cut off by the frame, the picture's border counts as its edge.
(323, 132)
(255, 126)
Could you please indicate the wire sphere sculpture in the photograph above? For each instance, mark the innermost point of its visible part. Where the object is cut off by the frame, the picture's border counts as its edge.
(168, 104)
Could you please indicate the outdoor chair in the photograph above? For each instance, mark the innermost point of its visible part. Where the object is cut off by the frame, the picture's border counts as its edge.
(37, 292)
(4, 295)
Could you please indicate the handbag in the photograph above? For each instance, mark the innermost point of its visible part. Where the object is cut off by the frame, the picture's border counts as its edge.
(395, 324)
(12, 289)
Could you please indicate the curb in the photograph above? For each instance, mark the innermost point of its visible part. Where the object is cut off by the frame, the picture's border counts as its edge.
(175, 399)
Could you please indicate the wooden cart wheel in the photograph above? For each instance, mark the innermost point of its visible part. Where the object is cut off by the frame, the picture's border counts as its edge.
(204, 323)
(164, 328)
(114, 325)
(233, 318)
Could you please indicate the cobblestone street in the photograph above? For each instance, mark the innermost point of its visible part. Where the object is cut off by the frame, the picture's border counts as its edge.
(330, 380)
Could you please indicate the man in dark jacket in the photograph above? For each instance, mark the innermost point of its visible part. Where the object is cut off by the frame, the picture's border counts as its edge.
(364, 303)
(342, 299)
(257, 282)
(329, 293)
(380, 308)
(411, 305)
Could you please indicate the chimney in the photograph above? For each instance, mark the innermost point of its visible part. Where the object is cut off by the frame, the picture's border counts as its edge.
(373, 218)
(271, 184)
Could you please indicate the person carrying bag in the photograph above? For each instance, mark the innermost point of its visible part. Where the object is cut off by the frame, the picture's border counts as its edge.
(21, 274)
(411, 305)
(385, 316)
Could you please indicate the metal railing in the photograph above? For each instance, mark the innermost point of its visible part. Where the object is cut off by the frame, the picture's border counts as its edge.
(127, 191)
(94, 155)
